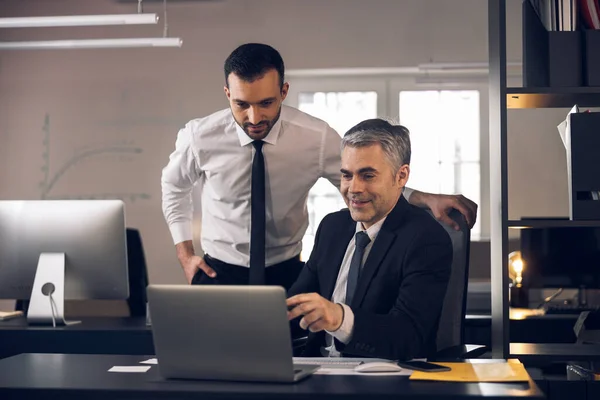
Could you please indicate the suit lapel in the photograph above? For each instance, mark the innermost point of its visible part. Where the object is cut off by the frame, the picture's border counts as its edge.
(335, 256)
(382, 243)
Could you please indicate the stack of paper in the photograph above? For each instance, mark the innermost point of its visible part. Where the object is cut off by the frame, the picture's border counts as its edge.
(4, 315)
(509, 371)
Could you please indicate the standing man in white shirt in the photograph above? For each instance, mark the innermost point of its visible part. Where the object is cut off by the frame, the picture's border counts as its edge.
(256, 162)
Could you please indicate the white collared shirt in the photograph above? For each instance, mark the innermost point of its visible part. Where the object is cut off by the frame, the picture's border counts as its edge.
(344, 332)
(216, 153)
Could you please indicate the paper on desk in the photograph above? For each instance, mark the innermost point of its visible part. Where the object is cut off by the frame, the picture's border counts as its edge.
(136, 368)
(564, 128)
(4, 315)
(152, 361)
(510, 371)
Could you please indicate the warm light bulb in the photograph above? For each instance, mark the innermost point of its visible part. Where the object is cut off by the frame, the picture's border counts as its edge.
(517, 266)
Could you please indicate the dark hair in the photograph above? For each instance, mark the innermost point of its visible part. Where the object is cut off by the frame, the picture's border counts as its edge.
(251, 61)
(393, 139)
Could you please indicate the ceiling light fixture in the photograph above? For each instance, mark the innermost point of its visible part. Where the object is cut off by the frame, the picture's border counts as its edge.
(79, 20)
(92, 44)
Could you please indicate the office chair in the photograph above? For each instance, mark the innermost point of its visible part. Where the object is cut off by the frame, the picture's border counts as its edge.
(138, 274)
(451, 328)
(138, 281)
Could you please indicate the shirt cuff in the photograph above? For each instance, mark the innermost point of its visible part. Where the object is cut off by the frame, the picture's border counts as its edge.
(407, 192)
(181, 231)
(344, 332)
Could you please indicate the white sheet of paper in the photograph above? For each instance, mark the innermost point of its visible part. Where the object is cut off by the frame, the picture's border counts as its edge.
(136, 368)
(152, 361)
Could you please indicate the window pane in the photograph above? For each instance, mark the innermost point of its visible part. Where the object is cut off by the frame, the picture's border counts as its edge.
(341, 110)
(444, 128)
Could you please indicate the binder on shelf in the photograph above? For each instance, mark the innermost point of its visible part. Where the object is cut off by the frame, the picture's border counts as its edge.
(535, 49)
(592, 58)
(550, 59)
(565, 55)
(584, 168)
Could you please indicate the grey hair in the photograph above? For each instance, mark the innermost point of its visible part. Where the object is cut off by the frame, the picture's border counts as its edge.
(393, 139)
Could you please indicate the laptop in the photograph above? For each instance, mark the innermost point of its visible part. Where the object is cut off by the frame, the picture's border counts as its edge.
(238, 333)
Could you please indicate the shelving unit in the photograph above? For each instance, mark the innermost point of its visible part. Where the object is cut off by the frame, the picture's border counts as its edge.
(501, 99)
(552, 97)
(549, 223)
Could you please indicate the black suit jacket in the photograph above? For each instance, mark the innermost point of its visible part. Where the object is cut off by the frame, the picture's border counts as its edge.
(398, 300)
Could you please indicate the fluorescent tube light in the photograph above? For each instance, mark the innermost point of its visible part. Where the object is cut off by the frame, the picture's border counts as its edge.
(78, 20)
(92, 44)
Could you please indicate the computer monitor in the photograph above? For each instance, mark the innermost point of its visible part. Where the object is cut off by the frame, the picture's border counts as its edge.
(566, 257)
(79, 244)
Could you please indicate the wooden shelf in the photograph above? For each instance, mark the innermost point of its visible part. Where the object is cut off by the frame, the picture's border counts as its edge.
(550, 223)
(554, 352)
(555, 97)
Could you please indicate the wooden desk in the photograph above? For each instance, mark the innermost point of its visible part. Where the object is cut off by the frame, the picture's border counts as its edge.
(554, 352)
(557, 328)
(92, 336)
(73, 376)
(132, 336)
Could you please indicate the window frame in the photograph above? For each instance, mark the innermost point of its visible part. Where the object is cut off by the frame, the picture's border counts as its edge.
(388, 88)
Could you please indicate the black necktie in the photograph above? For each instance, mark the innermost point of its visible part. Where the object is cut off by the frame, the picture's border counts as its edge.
(361, 241)
(257, 217)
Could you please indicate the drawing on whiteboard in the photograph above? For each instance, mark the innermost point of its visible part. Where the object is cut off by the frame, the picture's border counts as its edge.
(119, 152)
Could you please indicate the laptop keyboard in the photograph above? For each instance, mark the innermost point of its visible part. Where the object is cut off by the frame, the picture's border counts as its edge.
(333, 362)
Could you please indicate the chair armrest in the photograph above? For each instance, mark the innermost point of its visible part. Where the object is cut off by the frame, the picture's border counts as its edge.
(463, 352)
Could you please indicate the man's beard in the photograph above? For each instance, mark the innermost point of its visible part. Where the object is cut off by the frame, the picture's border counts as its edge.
(268, 123)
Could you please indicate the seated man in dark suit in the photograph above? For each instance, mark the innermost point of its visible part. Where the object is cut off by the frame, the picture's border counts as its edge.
(377, 276)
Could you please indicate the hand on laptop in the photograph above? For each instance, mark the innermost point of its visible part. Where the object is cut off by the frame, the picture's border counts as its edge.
(319, 313)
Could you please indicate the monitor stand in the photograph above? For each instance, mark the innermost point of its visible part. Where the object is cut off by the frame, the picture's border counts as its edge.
(47, 302)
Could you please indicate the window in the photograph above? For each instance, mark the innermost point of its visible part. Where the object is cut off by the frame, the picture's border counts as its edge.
(448, 134)
(444, 126)
(341, 110)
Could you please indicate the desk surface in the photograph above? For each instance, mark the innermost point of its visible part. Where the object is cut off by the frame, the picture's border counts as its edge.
(555, 352)
(92, 336)
(87, 324)
(68, 376)
(525, 327)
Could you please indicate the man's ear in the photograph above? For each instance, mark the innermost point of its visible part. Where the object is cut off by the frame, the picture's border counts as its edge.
(402, 175)
(227, 92)
(284, 91)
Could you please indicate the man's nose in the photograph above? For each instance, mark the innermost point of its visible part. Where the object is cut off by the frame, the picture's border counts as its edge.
(254, 115)
(356, 186)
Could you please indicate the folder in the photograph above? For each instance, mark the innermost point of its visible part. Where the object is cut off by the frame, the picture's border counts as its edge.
(503, 371)
(4, 315)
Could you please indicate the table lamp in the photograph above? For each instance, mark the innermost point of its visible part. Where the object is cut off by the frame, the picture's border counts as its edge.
(518, 294)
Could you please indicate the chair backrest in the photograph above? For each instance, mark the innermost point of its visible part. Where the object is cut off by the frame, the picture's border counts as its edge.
(138, 274)
(451, 327)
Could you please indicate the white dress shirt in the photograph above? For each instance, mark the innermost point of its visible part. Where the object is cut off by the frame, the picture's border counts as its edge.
(216, 153)
(344, 332)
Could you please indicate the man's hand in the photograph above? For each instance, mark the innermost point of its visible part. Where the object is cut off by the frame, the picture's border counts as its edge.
(192, 263)
(441, 205)
(319, 313)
